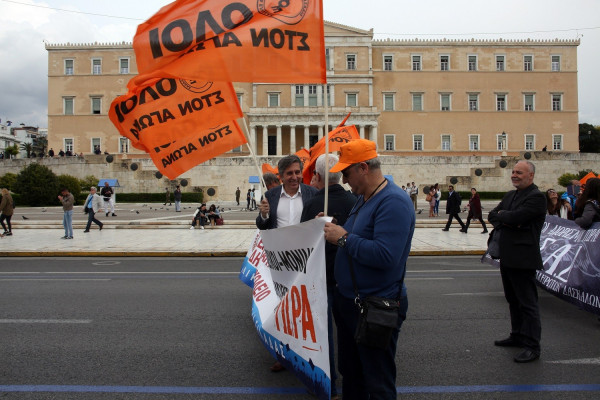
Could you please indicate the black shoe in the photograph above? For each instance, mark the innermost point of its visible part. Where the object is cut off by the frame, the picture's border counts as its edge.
(463, 230)
(101, 226)
(445, 229)
(86, 231)
(526, 356)
(114, 215)
(107, 214)
(508, 342)
(64, 237)
(8, 234)
(484, 232)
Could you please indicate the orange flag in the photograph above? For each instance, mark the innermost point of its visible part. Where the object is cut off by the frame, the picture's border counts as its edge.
(337, 137)
(304, 155)
(156, 111)
(269, 168)
(174, 158)
(235, 41)
(585, 178)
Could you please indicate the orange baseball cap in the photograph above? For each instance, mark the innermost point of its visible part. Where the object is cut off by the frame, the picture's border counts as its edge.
(353, 152)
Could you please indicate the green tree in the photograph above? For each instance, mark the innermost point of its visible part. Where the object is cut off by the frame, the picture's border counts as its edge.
(37, 185)
(39, 145)
(9, 181)
(589, 138)
(86, 183)
(10, 151)
(28, 148)
(565, 179)
(71, 183)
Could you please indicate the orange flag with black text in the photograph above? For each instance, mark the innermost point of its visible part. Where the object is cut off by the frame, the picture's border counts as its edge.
(337, 138)
(174, 158)
(237, 41)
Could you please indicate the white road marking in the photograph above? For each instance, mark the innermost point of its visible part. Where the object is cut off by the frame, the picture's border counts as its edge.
(476, 294)
(45, 321)
(588, 361)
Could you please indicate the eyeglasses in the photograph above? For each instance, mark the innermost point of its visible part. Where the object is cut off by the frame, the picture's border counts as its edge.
(346, 171)
(551, 191)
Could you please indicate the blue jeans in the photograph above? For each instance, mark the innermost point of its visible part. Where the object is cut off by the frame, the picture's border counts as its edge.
(368, 373)
(68, 223)
(436, 208)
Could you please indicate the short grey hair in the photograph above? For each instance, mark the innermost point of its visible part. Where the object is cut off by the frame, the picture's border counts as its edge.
(270, 179)
(321, 169)
(286, 161)
(373, 163)
(531, 166)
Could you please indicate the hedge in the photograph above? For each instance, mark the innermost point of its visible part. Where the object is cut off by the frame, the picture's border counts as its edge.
(148, 197)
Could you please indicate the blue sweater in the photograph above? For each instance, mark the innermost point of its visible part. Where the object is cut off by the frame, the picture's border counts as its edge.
(380, 235)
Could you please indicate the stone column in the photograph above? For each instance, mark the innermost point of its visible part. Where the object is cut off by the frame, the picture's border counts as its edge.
(279, 147)
(253, 137)
(292, 139)
(265, 138)
(320, 132)
(362, 131)
(373, 135)
(306, 137)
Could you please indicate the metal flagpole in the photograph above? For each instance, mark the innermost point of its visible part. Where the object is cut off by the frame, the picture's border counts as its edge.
(325, 208)
(251, 146)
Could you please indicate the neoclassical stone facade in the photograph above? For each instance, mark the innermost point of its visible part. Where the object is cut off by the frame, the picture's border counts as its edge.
(413, 97)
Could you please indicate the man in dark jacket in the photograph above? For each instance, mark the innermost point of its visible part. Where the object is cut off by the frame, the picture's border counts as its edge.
(520, 217)
(339, 206)
(453, 208)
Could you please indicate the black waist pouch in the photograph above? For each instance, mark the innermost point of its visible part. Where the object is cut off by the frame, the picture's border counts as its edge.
(378, 317)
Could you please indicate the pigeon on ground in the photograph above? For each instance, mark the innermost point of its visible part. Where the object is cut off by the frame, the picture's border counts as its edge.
(24, 217)
(137, 212)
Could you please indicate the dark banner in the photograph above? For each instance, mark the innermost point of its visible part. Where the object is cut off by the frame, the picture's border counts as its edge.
(571, 257)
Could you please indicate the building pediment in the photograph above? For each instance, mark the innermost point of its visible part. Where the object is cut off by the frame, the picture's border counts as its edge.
(333, 29)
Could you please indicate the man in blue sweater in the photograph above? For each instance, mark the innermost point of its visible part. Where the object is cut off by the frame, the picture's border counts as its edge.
(376, 238)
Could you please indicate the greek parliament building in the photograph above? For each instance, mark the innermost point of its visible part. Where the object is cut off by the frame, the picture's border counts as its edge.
(413, 97)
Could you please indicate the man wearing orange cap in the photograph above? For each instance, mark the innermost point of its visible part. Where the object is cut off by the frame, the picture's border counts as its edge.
(373, 246)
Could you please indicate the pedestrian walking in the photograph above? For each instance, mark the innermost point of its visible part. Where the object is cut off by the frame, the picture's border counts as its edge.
(67, 200)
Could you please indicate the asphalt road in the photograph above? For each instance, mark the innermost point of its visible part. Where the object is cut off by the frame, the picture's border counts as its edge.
(133, 328)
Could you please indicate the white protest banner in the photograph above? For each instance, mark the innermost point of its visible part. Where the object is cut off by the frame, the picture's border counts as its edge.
(289, 304)
(254, 257)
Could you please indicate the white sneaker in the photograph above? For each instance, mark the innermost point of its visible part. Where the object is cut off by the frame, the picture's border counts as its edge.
(202, 227)
(191, 228)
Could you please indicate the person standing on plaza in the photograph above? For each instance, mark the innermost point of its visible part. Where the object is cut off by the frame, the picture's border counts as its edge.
(167, 196)
(67, 200)
(591, 204)
(93, 204)
(414, 192)
(339, 205)
(283, 205)
(237, 195)
(7, 210)
(453, 208)
(519, 218)
(373, 246)
(253, 199)
(475, 211)
(438, 196)
(109, 201)
(177, 197)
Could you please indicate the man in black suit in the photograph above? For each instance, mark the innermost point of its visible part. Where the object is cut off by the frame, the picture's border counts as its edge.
(340, 203)
(453, 208)
(282, 205)
(519, 217)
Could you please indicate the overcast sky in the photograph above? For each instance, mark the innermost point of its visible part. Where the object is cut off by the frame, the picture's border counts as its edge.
(26, 24)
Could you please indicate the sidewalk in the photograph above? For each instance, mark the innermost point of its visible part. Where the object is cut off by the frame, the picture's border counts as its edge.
(157, 231)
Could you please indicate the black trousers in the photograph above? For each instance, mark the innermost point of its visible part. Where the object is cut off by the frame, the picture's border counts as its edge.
(462, 225)
(480, 218)
(92, 218)
(522, 297)
(7, 218)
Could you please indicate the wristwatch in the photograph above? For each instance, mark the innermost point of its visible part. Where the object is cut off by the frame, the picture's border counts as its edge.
(341, 242)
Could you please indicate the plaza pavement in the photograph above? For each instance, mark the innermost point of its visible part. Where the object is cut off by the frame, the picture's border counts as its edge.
(145, 230)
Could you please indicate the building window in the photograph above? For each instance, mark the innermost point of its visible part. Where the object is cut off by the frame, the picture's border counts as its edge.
(124, 65)
(123, 145)
(501, 141)
(68, 144)
(417, 102)
(96, 105)
(416, 63)
(529, 102)
(556, 102)
(499, 63)
(472, 63)
(556, 63)
(389, 142)
(529, 142)
(446, 140)
(351, 61)
(473, 142)
(445, 102)
(96, 66)
(351, 99)
(328, 58)
(500, 102)
(273, 99)
(557, 142)
(387, 63)
(240, 98)
(473, 102)
(444, 63)
(96, 149)
(328, 95)
(69, 67)
(299, 96)
(418, 142)
(68, 105)
(312, 95)
(527, 63)
(388, 102)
